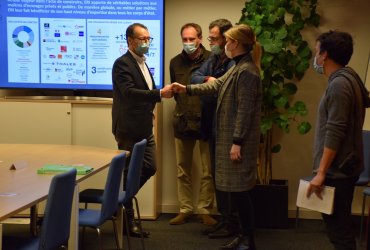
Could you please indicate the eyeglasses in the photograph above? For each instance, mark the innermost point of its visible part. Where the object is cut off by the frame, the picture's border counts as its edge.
(144, 39)
(213, 39)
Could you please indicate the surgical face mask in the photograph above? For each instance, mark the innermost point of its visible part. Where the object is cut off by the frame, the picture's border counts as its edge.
(189, 48)
(228, 52)
(216, 49)
(142, 48)
(318, 68)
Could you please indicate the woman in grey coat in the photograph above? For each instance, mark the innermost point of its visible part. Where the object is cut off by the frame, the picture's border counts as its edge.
(237, 126)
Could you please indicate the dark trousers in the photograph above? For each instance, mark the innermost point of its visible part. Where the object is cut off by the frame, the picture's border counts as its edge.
(244, 206)
(339, 225)
(149, 164)
(223, 199)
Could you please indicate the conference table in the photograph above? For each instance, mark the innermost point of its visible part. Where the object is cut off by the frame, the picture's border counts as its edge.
(21, 187)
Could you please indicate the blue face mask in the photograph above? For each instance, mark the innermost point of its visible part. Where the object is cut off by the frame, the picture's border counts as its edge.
(318, 68)
(142, 48)
(189, 48)
(216, 49)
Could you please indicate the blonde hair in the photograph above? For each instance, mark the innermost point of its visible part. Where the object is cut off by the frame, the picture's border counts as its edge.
(244, 34)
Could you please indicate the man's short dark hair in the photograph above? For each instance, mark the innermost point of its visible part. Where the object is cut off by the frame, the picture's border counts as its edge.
(222, 24)
(338, 45)
(195, 26)
(130, 31)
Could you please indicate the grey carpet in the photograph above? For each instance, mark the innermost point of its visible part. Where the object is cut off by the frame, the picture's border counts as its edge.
(309, 236)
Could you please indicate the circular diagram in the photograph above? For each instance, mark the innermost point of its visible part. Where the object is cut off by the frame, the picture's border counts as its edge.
(19, 36)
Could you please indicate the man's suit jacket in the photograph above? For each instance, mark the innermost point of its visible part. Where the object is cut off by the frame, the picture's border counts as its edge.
(133, 101)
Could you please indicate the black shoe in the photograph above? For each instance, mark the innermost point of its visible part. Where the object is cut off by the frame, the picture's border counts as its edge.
(213, 229)
(232, 244)
(238, 243)
(243, 246)
(227, 230)
(135, 230)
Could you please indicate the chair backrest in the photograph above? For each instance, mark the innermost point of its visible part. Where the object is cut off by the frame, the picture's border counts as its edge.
(56, 224)
(134, 170)
(112, 187)
(365, 175)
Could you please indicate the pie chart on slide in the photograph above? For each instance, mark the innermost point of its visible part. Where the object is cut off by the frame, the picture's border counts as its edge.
(23, 36)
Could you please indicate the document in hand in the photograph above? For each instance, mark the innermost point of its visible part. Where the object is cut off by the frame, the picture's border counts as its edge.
(313, 202)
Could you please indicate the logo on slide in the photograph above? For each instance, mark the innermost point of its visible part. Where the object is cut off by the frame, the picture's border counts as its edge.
(23, 36)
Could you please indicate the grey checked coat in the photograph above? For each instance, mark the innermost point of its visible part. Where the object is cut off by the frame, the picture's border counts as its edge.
(237, 120)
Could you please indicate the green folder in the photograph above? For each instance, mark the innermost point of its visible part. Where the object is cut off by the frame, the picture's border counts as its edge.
(59, 168)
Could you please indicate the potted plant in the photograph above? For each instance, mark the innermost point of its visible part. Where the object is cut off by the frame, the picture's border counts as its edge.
(286, 57)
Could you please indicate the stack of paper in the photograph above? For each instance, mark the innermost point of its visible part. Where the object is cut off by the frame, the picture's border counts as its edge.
(55, 168)
(324, 205)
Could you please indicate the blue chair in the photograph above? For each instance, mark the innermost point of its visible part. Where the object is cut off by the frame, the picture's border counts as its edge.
(366, 178)
(363, 180)
(132, 187)
(56, 223)
(95, 218)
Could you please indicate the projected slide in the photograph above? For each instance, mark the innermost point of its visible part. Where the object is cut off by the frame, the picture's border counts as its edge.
(72, 44)
(23, 50)
(106, 40)
(23, 31)
(63, 50)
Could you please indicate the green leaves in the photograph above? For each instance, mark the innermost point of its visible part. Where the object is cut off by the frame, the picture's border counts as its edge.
(272, 41)
(284, 117)
(286, 57)
(300, 108)
(281, 33)
(290, 88)
(276, 148)
(304, 128)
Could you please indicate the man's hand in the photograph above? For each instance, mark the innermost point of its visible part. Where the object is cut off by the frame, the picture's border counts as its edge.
(211, 79)
(235, 153)
(316, 185)
(178, 88)
(167, 91)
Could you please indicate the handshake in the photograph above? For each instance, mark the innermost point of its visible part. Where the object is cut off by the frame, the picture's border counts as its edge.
(174, 88)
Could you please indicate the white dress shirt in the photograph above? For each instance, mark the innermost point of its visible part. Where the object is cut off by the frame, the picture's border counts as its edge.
(144, 69)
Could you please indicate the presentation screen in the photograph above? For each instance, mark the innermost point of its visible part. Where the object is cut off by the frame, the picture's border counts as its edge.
(72, 44)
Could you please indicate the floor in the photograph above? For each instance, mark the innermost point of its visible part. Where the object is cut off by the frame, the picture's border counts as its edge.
(309, 236)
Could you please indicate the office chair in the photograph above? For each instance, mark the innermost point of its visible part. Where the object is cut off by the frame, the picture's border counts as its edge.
(56, 223)
(132, 187)
(366, 191)
(95, 218)
(363, 180)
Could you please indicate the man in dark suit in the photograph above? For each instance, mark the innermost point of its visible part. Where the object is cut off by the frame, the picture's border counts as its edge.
(134, 99)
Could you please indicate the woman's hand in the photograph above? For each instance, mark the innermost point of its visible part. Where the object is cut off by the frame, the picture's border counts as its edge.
(178, 88)
(235, 153)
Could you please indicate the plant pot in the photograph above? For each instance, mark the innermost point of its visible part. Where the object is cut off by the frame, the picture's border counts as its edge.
(271, 204)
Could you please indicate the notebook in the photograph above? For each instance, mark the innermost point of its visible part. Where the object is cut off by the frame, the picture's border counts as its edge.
(313, 202)
(59, 168)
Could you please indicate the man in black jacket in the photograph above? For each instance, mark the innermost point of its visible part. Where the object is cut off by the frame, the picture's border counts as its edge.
(188, 135)
(134, 99)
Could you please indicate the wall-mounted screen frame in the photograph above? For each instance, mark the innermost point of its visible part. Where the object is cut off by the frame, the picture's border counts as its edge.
(72, 44)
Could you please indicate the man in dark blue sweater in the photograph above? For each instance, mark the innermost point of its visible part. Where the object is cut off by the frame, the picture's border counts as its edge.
(216, 66)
